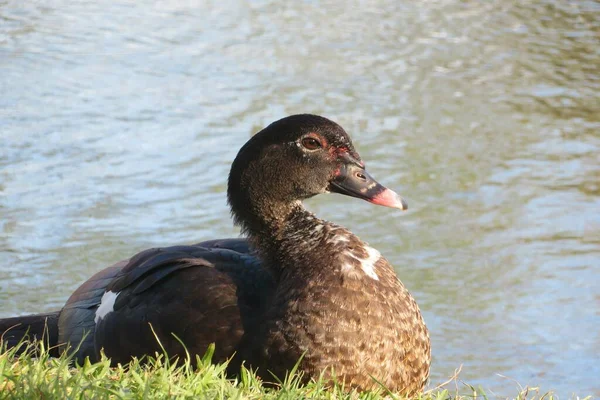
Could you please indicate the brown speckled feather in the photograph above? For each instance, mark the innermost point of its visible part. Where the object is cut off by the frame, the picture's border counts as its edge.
(339, 317)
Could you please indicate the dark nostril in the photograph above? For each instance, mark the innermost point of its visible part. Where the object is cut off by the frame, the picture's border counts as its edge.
(361, 176)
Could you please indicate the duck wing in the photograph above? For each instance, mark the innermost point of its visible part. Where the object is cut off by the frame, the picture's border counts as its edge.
(76, 324)
(211, 292)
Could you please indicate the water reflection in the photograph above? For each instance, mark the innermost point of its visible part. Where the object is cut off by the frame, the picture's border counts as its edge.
(119, 122)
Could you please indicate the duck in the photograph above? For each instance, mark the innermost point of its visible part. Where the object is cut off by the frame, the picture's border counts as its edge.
(294, 290)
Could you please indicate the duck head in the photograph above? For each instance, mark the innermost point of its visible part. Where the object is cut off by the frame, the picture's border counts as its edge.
(293, 159)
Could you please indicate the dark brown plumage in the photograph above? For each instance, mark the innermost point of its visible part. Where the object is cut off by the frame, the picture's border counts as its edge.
(298, 287)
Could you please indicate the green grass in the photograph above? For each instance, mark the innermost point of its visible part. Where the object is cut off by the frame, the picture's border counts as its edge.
(33, 374)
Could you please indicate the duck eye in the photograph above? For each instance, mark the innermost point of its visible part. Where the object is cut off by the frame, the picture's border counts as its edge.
(311, 143)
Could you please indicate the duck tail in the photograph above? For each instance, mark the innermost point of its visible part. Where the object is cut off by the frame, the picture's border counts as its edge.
(37, 327)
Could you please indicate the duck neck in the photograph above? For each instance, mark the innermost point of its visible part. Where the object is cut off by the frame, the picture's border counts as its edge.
(281, 238)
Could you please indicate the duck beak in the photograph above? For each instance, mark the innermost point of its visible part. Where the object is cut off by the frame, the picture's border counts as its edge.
(353, 180)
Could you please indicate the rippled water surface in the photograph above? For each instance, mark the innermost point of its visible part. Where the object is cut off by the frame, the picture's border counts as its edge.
(119, 119)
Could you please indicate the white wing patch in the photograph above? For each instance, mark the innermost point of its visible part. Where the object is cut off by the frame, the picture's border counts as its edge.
(107, 305)
(368, 264)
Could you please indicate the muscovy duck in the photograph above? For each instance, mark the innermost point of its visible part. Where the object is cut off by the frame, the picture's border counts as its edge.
(298, 287)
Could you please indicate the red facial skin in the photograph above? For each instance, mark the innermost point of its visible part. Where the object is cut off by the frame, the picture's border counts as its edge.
(386, 197)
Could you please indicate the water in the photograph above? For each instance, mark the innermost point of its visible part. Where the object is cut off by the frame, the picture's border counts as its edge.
(119, 120)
